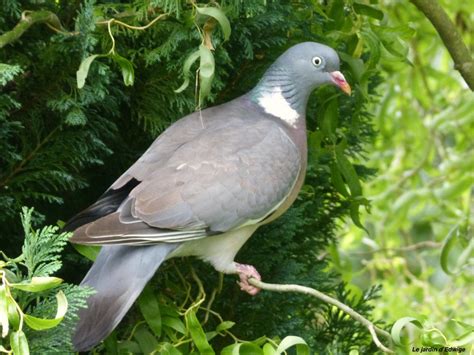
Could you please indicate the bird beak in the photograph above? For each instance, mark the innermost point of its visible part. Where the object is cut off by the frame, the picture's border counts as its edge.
(339, 80)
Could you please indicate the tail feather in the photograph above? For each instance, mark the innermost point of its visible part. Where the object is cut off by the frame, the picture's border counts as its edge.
(118, 275)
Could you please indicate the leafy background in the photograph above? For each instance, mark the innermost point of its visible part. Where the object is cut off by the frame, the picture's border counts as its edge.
(405, 136)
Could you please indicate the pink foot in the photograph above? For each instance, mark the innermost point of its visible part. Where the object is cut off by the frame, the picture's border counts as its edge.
(245, 272)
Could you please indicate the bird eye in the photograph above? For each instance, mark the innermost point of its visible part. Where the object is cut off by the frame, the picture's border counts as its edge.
(317, 61)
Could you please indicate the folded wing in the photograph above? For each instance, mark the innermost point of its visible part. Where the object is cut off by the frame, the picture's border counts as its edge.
(228, 175)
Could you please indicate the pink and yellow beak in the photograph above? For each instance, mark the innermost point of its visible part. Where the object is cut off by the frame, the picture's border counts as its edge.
(339, 80)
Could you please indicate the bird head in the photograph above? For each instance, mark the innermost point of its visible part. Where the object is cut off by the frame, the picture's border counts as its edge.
(311, 65)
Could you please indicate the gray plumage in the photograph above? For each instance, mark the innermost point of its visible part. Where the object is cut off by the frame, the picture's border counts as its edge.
(118, 287)
(202, 188)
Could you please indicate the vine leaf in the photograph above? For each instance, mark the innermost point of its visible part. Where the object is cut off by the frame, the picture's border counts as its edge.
(400, 324)
(206, 72)
(197, 333)
(83, 71)
(126, 66)
(3, 311)
(19, 343)
(41, 323)
(290, 341)
(242, 348)
(150, 310)
(455, 236)
(219, 15)
(367, 10)
(38, 284)
(89, 251)
(187, 70)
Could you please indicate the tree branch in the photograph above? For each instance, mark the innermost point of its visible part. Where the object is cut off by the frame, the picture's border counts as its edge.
(463, 61)
(325, 298)
(29, 18)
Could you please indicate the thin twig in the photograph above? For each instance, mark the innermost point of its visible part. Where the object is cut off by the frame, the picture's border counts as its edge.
(118, 22)
(325, 298)
(421, 245)
(109, 29)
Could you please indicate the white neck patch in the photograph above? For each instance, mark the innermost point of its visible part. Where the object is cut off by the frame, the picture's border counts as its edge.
(275, 104)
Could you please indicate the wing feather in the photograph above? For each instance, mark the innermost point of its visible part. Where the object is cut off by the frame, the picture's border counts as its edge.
(197, 181)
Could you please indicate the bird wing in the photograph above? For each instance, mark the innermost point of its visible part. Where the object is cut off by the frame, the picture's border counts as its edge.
(228, 175)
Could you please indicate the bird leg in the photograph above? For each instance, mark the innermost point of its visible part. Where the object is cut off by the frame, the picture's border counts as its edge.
(245, 272)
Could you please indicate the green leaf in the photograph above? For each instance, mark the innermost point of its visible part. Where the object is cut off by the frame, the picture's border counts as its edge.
(89, 251)
(330, 119)
(19, 343)
(462, 324)
(224, 326)
(302, 347)
(187, 70)
(4, 310)
(374, 46)
(83, 70)
(348, 172)
(168, 349)
(465, 339)
(41, 323)
(242, 349)
(449, 243)
(367, 10)
(206, 72)
(150, 309)
(111, 344)
(219, 15)
(128, 73)
(38, 284)
(128, 346)
(337, 180)
(197, 333)
(400, 324)
(354, 212)
(13, 314)
(174, 323)
(145, 340)
(268, 349)
(356, 64)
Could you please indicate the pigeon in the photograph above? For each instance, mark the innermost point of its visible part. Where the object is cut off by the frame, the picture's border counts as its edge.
(202, 188)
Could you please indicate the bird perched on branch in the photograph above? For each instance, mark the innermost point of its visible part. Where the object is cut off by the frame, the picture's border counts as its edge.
(202, 188)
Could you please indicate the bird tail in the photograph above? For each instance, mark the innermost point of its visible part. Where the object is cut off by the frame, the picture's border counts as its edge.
(118, 275)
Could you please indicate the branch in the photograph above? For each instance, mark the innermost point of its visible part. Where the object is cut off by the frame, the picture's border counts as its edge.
(427, 244)
(29, 18)
(451, 38)
(327, 299)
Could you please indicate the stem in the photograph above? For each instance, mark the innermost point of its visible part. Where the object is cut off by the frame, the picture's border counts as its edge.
(451, 38)
(29, 18)
(141, 27)
(427, 244)
(325, 298)
(109, 28)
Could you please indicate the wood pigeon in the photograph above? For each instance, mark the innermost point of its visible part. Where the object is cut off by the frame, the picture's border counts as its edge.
(202, 188)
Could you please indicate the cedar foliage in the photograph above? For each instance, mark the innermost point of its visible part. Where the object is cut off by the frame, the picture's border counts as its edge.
(61, 146)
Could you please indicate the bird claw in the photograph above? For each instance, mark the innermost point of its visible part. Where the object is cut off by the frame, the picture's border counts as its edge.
(245, 273)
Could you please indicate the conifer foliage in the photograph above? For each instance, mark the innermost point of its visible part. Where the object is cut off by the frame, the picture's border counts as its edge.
(85, 89)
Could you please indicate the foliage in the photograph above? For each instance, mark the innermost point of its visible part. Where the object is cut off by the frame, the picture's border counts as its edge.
(28, 294)
(175, 323)
(420, 242)
(80, 103)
